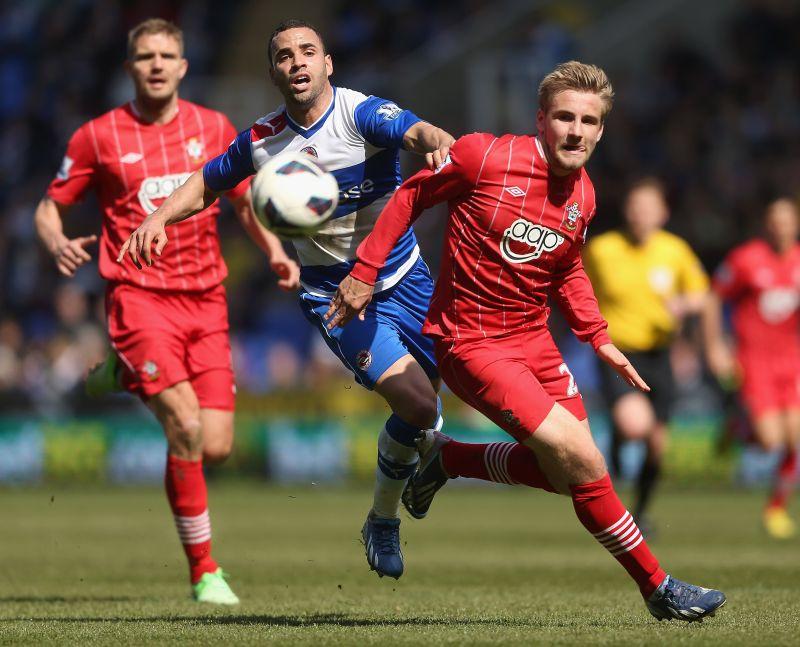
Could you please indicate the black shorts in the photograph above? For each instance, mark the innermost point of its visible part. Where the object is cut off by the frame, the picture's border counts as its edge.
(655, 368)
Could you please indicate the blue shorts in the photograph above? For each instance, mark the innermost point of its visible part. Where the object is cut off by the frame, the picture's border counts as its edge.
(392, 328)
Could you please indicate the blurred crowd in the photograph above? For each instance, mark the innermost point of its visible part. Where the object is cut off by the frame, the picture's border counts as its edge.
(719, 131)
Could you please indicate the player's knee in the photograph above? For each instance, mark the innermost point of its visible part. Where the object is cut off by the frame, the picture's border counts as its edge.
(634, 418)
(420, 410)
(185, 431)
(581, 460)
(217, 451)
(770, 443)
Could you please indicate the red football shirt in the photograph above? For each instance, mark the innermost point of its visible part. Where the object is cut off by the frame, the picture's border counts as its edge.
(133, 166)
(513, 238)
(764, 289)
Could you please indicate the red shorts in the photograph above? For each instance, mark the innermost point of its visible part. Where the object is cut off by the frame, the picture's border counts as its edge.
(769, 383)
(168, 337)
(513, 380)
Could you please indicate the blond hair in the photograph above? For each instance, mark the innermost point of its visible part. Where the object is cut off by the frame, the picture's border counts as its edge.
(154, 26)
(581, 77)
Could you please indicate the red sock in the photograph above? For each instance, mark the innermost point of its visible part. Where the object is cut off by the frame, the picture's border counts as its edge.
(603, 515)
(509, 463)
(784, 480)
(186, 491)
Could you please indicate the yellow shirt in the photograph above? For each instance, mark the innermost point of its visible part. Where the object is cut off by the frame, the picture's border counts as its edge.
(634, 285)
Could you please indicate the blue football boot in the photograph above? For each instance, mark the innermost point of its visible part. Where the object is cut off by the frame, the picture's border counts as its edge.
(682, 601)
(430, 476)
(382, 546)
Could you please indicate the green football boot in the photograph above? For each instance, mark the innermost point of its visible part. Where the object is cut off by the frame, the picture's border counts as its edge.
(105, 378)
(213, 588)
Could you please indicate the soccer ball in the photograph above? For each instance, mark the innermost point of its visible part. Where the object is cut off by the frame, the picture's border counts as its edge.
(293, 195)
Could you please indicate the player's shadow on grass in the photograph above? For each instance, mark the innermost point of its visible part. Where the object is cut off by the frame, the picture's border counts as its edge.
(70, 599)
(330, 619)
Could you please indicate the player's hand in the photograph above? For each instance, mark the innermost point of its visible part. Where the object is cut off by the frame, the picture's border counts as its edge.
(70, 254)
(612, 356)
(140, 242)
(721, 362)
(436, 158)
(288, 272)
(351, 298)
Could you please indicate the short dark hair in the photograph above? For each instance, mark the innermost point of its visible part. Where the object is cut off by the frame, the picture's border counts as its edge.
(648, 182)
(153, 26)
(292, 23)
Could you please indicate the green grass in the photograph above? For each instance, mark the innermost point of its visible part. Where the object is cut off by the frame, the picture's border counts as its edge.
(490, 566)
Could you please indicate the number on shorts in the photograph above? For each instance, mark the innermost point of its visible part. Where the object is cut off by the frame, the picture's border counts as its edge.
(572, 389)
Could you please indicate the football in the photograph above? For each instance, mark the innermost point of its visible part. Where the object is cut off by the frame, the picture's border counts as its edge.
(293, 195)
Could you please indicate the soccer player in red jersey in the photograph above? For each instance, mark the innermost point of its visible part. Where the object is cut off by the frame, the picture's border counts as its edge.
(169, 327)
(761, 280)
(519, 208)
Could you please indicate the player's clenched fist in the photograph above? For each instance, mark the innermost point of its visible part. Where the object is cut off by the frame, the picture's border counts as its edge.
(150, 232)
(351, 298)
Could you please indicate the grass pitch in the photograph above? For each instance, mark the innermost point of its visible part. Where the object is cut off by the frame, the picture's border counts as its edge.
(489, 566)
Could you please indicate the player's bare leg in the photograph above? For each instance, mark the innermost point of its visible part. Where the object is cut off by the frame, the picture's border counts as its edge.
(572, 463)
(178, 411)
(635, 420)
(561, 456)
(414, 402)
(217, 429)
(778, 431)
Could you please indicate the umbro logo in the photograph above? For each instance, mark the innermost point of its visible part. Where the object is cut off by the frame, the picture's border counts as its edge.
(130, 158)
(515, 191)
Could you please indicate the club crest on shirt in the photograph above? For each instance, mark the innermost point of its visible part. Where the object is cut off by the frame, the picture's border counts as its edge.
(571, 216)
(524, 241)
(150, 370)
(363, 360)
(389, 111)
(195, 149)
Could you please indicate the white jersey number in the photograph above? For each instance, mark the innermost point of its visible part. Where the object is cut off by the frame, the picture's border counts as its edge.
(572, 389)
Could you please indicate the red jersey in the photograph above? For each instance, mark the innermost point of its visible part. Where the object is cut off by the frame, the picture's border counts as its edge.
(764, 289)
(513, 238)
(134, 166)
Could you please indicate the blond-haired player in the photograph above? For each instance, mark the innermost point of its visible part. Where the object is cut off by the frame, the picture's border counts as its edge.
(169, 328)
(519, 207)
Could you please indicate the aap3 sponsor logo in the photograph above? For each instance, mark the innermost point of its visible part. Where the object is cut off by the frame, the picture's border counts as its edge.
(155, 188)
(523, 241)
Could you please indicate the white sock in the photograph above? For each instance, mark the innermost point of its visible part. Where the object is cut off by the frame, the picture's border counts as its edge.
(396, 463)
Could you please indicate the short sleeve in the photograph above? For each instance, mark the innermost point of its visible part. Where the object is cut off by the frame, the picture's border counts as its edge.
(382, 122)
(727, 280)
(693, 278)
(78, 168)
(226, 171)
(228, 134)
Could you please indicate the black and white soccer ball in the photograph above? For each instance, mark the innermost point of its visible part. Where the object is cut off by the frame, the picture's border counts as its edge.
(293, 195)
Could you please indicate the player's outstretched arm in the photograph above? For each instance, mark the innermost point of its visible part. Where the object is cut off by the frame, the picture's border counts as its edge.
(287, 270)
(454, 178)
(188, 199)
(428, 140)
(574, 294)
(69, 254)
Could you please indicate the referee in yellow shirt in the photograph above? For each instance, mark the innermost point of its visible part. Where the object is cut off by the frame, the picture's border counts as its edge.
(646, 281)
